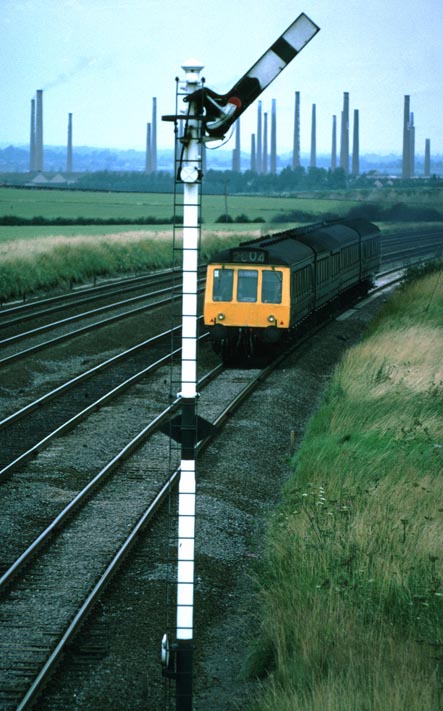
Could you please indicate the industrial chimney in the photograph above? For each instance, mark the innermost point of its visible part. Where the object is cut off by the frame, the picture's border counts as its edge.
(273, 162)
(355, 145)
(296, 143)
(39, 132)
(69, 153)
(154, 135)
(313, 161)
(264, 169)
(259, 159)
(406, 158)
(427, 170)
(344, 147)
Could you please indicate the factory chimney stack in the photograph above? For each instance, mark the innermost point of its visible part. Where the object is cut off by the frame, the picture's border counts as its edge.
(39, 132)
(69, 151)
(406, 158)
(313, 161)
(259, 158)
(264, 169)
(344, 147)
(154, 136)
(296, 143)
(356, 145)
(273, 161)
(427, 158)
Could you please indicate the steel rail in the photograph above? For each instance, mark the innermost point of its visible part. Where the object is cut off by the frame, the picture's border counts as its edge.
(83, 414)
(7, 360)
(33, 313)
(77, 295)
(69, 384)
(147, 516)
(92, 598)
(79, 292)
(35, 689)
(78, 317)
(81, 497)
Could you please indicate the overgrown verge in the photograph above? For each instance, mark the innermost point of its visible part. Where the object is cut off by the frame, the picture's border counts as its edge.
(68, 264)
(351, 588)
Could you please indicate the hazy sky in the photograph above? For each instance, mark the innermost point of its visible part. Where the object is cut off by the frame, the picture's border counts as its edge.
(104, 60)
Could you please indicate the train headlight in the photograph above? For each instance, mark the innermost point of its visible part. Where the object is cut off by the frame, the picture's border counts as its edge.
(221, 317)
(272, 319)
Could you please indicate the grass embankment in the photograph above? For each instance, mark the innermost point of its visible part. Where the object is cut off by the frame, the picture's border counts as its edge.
(352, 585)
(50, 263)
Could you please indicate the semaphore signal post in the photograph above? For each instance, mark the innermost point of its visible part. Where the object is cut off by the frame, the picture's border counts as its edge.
(208, 116)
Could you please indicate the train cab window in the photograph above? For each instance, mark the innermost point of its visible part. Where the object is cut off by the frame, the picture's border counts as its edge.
(271, 287)
(247, 285)
(222, 284)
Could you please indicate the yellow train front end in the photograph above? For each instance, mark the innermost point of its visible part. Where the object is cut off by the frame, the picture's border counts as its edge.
(247, 307)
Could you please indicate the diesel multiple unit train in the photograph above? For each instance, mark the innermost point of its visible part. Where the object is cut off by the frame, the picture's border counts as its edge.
(259, 293)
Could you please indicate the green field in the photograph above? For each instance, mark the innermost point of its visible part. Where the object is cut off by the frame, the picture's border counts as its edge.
(36, 258)
(51, 204)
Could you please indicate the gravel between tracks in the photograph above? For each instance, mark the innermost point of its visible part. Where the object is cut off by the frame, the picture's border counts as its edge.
(239, 482)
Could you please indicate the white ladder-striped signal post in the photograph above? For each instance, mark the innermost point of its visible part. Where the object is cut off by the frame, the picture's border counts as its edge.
(178, 659)
(210, 115)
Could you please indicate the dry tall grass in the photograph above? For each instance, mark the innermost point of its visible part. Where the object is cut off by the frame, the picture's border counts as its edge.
(352, 587)
(57, 261)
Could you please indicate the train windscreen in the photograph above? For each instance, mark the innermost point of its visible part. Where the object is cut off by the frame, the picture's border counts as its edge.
(271, 291)
(222, 284)
(247, 285)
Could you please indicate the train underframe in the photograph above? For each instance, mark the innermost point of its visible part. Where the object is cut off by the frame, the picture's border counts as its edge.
(243, 343)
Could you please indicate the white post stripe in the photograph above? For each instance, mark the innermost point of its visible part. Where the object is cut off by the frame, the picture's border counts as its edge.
(186, 533)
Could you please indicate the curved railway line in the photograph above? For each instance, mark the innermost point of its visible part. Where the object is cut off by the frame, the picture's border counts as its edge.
(156, 291)
(86, 497)
(88, 547)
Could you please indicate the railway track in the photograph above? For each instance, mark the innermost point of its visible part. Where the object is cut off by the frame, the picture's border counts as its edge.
(27, 431)
(87, 540)
(412, 245)
(155, 290)
(83, 548)
(108, 291)
(63, 612)
(13, 350)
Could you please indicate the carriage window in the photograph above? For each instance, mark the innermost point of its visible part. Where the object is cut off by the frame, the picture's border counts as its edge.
(247, 285)
(271, 287)
(222, 285)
